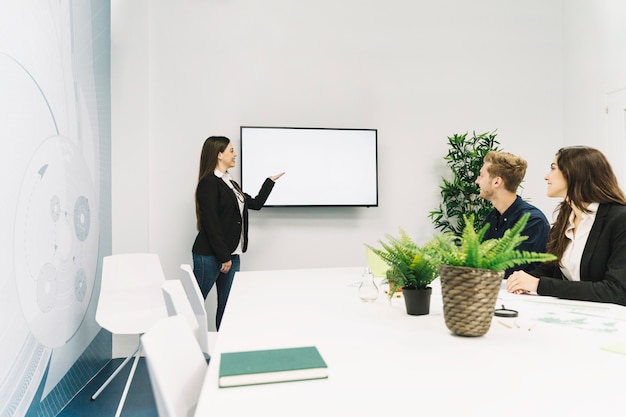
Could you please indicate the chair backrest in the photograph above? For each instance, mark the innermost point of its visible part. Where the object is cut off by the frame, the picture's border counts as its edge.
(130, 299)
(192, 289)
(376, 264)
(177, 303)
(176, 366)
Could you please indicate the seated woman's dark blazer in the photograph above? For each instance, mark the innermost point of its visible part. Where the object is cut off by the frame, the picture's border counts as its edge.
(603, 264)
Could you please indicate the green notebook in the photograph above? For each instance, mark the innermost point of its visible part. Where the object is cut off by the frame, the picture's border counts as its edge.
(272, 365)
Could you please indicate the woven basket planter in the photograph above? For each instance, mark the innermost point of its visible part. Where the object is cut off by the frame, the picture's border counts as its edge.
(469, 298)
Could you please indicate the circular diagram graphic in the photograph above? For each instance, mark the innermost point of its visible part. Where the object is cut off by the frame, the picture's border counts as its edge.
(27, 121)
(49, 119)
(56, 241)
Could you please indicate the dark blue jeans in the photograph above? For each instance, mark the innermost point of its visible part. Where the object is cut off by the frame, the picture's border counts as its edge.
(207, 272)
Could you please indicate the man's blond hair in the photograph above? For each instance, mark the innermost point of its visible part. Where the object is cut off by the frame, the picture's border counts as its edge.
(511, 168)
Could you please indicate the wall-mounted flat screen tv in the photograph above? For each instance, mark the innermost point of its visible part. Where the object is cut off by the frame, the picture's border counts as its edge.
(323, 166)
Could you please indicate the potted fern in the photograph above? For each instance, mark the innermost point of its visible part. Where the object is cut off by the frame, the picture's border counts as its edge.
(471, 271)
(411, 269)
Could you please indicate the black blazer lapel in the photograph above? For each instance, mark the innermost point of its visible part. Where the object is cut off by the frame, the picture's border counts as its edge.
(593, 239)
(229, 191)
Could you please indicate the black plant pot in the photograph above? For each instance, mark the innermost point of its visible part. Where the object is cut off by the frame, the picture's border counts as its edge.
(417, 301)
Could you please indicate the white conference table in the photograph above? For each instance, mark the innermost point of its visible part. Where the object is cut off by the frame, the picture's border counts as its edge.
(548, 361)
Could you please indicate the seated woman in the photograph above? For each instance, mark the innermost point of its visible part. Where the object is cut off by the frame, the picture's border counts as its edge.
(588, 236)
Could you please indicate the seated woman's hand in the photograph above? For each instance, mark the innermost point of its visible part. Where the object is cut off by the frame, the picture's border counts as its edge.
(520, 282)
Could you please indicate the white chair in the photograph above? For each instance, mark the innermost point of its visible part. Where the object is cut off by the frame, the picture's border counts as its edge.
(177, 303)
(376, 264)
(130, 302)
(176, 366)
(207, 338)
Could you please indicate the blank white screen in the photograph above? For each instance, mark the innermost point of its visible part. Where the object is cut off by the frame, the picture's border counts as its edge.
(323, 167)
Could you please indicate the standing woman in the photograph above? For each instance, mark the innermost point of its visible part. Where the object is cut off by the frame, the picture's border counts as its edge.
(589, 235)
(222, 220)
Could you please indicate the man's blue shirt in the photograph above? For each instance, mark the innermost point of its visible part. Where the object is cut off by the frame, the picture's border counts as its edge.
(537, 229)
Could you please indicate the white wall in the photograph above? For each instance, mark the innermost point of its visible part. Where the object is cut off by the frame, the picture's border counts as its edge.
(130, 112)
(595, 65)
(417, 71)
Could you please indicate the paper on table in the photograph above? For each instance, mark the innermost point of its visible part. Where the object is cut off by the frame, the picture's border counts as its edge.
(618, 347)
(596, 317)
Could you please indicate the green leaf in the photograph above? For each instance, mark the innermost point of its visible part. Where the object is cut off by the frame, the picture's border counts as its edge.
(410, 265)
(459, 193)
(470, 250)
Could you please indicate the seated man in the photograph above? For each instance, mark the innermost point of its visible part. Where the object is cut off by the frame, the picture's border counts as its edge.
(499, 177)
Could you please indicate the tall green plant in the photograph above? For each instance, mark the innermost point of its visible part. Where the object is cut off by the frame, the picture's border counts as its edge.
(460, 195)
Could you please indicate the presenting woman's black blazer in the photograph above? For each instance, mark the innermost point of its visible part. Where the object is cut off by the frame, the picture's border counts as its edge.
(603, 264)
(222, 222)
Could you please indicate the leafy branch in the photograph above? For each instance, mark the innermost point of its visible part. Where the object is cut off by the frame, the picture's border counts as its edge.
(460, 195)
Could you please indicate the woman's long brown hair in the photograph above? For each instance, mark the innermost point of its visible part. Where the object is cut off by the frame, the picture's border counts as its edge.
(590, 179)
(212, 147)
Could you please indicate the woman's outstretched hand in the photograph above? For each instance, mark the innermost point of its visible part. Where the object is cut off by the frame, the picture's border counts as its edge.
(277, 176)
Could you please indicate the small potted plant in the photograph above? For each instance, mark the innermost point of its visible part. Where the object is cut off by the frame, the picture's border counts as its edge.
(410, 269)
(471, 271)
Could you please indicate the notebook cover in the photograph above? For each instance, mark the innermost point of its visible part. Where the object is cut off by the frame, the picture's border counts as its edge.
(271, 365)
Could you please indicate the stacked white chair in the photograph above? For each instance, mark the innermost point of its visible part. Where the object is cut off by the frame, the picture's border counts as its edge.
(176, 366)
(206, 338)
(130, 302)
(177, 303)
